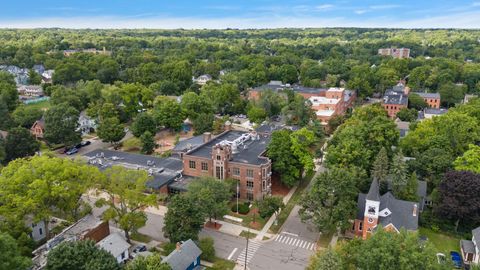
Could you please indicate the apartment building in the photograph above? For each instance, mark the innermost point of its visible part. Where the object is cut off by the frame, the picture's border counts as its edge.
(395, 53)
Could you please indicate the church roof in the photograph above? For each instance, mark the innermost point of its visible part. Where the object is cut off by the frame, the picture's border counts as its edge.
(374, 191)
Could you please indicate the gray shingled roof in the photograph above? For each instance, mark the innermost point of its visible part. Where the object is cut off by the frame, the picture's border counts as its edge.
(401, 211)
(476, 236)
(165, 170)
(428, 95)
(115, 244)
(188, 144)
(467, 246)
(374, 191)
(250, 153)
(181, 259)
(395, 98)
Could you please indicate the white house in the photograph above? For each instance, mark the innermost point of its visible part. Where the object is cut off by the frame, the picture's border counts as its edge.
(202, 79)
(86, 124)
(471, 249)
(116, 245)
(30, 90)
(38, 229)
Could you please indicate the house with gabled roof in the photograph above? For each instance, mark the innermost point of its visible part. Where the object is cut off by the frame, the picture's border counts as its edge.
(471, 249)
(384, 210)
(186, 256)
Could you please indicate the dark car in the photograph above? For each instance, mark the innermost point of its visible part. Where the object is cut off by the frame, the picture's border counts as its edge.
(139, 248)
(82, 144)
(456, 259)
(72, 151)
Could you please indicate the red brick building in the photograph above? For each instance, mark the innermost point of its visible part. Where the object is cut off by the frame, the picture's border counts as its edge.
(432, 99)
(395, 99)
(234, 155)
(395, 53)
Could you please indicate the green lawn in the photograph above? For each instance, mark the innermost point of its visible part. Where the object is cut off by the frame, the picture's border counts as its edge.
(41, 105)
(221, 264)
(140, 237)
(247, 234)
(442, 242)
(325, 239)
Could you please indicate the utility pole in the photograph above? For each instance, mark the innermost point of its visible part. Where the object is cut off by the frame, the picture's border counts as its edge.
(238, 190)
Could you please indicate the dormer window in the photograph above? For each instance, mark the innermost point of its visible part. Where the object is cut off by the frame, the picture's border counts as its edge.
(385, 212)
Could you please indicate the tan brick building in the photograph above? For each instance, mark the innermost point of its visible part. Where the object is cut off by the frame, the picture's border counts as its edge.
(432, 99)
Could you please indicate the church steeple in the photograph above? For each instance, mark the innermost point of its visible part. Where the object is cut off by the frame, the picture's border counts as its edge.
(374, 191)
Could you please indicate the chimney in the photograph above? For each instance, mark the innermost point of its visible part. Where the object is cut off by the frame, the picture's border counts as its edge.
(207, 136)
(415, 210)
(178, 247)
(406, 90)
(228, 126)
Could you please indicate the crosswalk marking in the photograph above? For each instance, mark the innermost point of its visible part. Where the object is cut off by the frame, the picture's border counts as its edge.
(253, 246)
(293, 241)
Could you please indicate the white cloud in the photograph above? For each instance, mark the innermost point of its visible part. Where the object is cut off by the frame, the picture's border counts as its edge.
(476, 4)
(382, 7)
(360, 11)
(324, 7)
(457, 20)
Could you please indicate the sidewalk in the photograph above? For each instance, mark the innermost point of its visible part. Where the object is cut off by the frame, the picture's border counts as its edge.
(270, 221)
(236, 230)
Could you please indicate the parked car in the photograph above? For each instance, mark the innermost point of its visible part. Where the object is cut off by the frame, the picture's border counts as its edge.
(139, 248)
(72, 151)
(441, 259)
(82, 144)
(456, 259)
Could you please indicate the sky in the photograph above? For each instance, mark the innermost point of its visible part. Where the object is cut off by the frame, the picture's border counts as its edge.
(214, 14)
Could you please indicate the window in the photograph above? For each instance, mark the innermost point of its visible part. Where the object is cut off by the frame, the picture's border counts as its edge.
(250, 173)
(250, 184)
(219, 157)
(264, 172)
(250, 196)
(236, 171)
(219, 172)
(360, 226)
(204, 166)
(40, 231)
(372, 210)
(192, 164)
(370, 220)
(264, 185)
(123, 255)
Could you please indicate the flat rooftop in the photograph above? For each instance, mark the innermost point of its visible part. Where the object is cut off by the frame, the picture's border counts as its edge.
(162, 170)
(276, 86)
(248, 153)
(325, 112)
(323, 100)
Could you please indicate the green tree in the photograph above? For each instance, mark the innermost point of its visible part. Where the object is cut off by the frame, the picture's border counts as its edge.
(256, 114)
(207, 247)
(330, 203)
(80, 255)
(272, 102)
(61, 122)
(409, 192)
(302, 142)
(451, 94)
(469, 161)
(34, 78)
(408, 115)
(326, 260)
(269, 205)
(20, 143)
(110, 130)
(416, 102)
(168, 113)
(8, 91)
(203, 122)
(3, 154)
(142, 123)
(298, 111)
(283, 162)
(152, 262)
(6, 121)
(25, 116)
(183, 220)
(380, 167)
(70, 72)
(148, 142)
(225, 98)
(211, 195)
(194, 105)
(127, 198)
(398, 174)
(43, 186)
(10, 256)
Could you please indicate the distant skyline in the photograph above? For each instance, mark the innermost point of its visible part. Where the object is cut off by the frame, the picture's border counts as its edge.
(239, 14)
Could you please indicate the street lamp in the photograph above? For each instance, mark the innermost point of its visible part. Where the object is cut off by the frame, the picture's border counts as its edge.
(238, 190)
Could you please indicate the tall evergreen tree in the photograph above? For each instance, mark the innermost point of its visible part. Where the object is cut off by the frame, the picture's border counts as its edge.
(380, 168)
(398, 174)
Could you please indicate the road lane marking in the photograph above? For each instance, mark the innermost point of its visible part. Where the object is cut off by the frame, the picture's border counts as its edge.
(295, 242)
(292, 234)
(299, 243)
(231, 254)
(284, 240)
(304, 244)
(276, 237)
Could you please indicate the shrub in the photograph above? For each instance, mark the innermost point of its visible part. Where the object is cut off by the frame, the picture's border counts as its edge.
(167, 248)
(207, 248)
(269, 205)
(242, 208)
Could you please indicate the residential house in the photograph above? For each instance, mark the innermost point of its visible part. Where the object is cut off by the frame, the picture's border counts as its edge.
(429, 113)
(38, 232)
(202, 79)
(20, 74)
(403, 127)
(86, 124)
(326, 102)
(395, 99)
(116, 245)
(88, 227)
(39, 69)
(432, 99)
(30, 90)
(468, 97)
(186, 256)
(385, 210)
(47, 76)
(471, 249)
(395, 53)
(38, 128)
